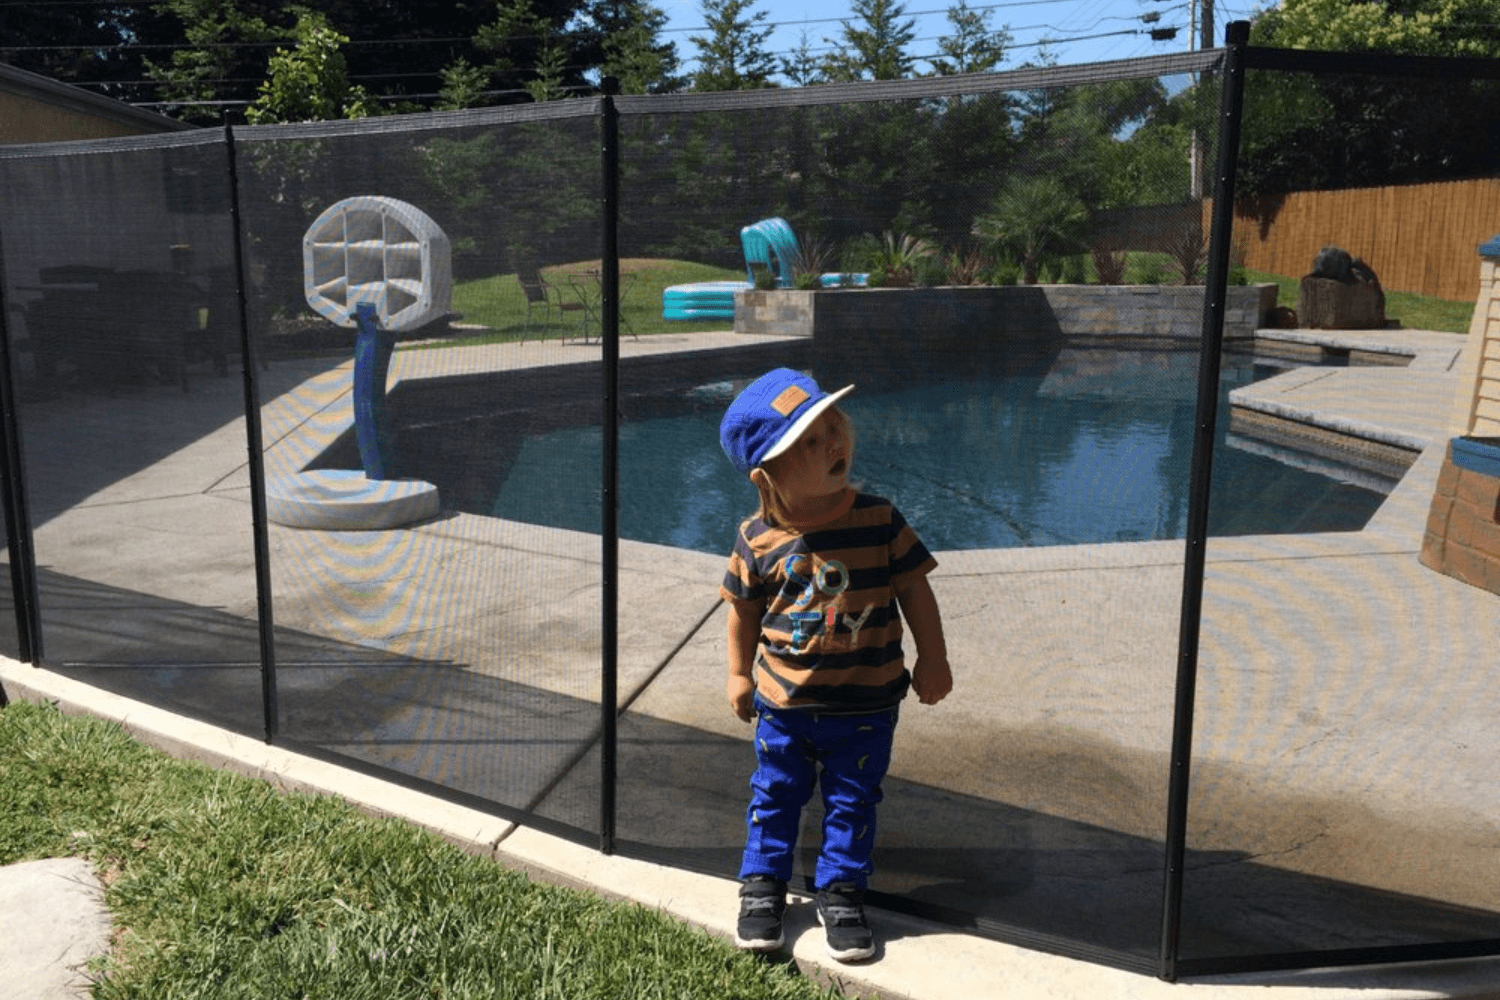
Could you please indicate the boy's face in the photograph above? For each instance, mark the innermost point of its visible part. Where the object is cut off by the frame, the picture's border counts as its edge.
(817, 464)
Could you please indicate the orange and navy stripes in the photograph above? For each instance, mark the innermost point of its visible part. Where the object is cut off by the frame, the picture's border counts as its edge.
(830, 624)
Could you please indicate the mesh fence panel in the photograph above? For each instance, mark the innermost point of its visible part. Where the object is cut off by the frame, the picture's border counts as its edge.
(133, 439)
(1026, 353)
(1343, 684)
(461, 649)
(1036, 438)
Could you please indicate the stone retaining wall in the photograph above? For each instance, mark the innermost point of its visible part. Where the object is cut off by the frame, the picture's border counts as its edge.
(953, 316)
(1462, 539)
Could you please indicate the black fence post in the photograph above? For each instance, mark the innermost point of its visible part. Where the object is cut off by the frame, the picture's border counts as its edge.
(270, 705)
(609, 314)
(1231, 100)
(23, 578)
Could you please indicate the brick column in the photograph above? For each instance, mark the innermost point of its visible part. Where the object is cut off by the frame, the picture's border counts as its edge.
(1462, 539)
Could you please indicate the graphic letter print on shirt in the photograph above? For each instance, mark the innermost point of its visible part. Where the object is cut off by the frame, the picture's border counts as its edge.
(831, 578)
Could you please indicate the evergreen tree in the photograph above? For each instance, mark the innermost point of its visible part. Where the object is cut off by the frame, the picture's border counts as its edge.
(463, 86)
(733, 57)
(803, 67)
(973, 47)
(631, 49)
(874, 48)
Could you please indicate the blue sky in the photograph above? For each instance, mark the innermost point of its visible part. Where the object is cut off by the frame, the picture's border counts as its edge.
(1084, 30)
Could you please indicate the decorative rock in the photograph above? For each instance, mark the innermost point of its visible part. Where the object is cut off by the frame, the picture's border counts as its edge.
(1341, 293)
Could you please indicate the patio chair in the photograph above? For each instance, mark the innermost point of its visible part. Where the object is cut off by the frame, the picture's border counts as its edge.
(537, 296)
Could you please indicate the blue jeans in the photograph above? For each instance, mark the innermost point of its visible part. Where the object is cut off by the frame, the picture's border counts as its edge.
(854, 752)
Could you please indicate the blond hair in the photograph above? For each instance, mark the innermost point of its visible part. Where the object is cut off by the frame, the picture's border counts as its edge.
(773, 504)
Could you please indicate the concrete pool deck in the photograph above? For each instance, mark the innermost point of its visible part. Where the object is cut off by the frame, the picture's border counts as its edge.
(1344, 689)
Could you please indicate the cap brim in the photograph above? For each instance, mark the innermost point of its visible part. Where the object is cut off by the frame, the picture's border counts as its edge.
(802, 423)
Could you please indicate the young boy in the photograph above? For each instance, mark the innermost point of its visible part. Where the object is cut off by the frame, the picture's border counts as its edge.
(813, 587)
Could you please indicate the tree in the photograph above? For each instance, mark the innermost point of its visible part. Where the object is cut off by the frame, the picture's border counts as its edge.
(733, 57)
(528, 51)
(875, 47)
(1317, 132)
(803, 67)
(1408, 27)
(309, 82)
(973, 47)
(86, 45)
(632, 50)
(463, 86)
(204, 56)
(1034, 218)
(225, 42)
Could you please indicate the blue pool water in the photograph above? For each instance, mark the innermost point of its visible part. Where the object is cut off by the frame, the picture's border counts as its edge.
(1095, 448)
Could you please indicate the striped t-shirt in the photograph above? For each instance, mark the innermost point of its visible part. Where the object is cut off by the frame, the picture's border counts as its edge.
(830, 634)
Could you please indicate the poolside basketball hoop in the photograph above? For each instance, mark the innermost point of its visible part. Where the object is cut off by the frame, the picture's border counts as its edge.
(381, 251)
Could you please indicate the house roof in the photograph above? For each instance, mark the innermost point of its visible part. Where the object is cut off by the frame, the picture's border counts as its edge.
(71, 102)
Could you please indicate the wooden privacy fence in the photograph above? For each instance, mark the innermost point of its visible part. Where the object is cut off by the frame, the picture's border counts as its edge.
(1417, 237)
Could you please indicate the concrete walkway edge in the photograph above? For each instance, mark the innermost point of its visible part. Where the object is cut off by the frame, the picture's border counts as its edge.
(918, 960)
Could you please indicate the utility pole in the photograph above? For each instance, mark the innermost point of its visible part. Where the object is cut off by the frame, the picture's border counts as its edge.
(1203, 30)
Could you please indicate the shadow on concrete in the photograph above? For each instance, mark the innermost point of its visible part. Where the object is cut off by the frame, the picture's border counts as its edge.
(990, 868)
(1014, 874)
(83, 439)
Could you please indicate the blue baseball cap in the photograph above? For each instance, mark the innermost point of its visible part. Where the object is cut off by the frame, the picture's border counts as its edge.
(770, 415)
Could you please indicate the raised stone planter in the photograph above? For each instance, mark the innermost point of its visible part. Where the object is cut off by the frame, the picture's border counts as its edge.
(951, 317)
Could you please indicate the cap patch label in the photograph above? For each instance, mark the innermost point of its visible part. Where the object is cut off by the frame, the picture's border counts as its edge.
(791, 397)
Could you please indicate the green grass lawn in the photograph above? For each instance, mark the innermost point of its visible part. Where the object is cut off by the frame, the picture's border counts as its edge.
(223, 888)
(499, 306)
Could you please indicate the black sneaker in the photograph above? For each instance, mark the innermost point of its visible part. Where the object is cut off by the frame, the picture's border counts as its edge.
(762, 902)
(841, 911)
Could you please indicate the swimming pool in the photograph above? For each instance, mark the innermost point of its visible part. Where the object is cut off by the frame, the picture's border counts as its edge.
(1079, 446)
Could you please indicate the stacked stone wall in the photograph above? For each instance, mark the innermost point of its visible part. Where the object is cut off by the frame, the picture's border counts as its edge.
(1463, 527)
(953, 317)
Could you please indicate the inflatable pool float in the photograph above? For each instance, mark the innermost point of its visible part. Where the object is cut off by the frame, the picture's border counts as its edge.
(701, 299)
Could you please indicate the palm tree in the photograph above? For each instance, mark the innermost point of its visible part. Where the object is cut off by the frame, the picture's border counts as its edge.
(1032, 218)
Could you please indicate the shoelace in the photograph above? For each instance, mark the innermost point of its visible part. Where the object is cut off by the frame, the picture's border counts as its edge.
(842, 913)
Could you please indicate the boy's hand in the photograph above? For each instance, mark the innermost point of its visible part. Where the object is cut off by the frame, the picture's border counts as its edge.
(931, 679)
(742, 697)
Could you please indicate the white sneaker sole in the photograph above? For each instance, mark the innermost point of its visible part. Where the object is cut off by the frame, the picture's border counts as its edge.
(762, 944)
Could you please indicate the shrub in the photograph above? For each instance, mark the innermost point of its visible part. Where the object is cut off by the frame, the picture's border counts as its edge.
(809, 263)
(897, 257)
(1109, 265)
(970, 266)
(1189, 253)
